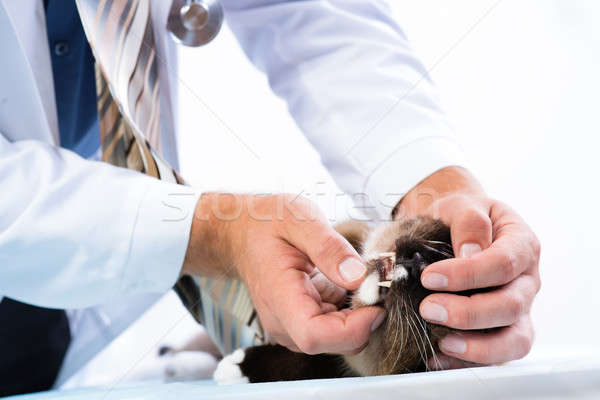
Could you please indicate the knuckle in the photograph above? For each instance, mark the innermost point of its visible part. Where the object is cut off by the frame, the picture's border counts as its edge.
(538, 284)
(480, 354)
(466, 317)
(295, 208)
(468, 278)
(362, 337)
(357, 339)
(331, 248)
(471, 317)
(456, 199)
(523, 344)
(537, 247)
(515, 306)
(297, 202)
(507, 267)
(473, 219)
(307, 345)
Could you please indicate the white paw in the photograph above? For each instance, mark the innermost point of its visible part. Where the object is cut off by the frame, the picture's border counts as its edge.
(228, 371)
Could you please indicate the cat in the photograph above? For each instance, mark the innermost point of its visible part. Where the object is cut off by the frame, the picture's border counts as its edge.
(395, 253)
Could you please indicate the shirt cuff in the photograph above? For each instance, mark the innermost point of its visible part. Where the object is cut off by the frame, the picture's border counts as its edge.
(408, 166)
(160, 237)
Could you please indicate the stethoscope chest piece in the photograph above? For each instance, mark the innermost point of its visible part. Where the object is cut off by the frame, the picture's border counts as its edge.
(195, 22)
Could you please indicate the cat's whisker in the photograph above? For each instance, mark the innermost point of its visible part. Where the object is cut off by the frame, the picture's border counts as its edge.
(405, 337)
(423, 335)
(397, 310)
(423, 343)
(438, 242)
(395, 329)
(423, 326)
(390, 330)
(420, 344)
(442, 252)
(416, 334)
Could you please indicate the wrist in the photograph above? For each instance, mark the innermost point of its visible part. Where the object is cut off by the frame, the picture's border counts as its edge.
(211, 247)
(442, 183)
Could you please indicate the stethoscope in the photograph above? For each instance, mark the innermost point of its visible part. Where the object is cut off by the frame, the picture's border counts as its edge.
(195, 22)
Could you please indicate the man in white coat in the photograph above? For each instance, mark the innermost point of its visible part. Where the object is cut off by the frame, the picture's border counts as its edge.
(102, 242)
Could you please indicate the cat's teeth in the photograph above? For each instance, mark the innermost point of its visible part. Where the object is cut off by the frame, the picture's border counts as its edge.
(386, 284)
(368, 292)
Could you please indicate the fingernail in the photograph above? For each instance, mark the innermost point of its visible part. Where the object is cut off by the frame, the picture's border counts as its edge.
(351, 269)
(434, 312)
(453, 344)
(433, 280)
(378, 321)
(469, 249)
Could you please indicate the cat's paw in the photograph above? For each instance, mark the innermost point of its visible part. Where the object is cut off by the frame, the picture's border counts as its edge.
(228, 370)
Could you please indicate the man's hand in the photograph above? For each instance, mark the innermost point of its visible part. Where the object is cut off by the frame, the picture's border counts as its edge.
(495, 249)
(273, 244)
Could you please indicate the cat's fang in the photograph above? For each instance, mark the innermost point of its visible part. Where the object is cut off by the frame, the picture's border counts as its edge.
(386, 284)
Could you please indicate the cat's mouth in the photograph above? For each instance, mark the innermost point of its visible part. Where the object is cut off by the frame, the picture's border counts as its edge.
(396, 272)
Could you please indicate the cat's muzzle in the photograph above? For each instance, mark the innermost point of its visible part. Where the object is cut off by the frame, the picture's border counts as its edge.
(394, 272)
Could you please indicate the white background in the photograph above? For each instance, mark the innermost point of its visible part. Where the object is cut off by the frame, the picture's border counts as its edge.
(519, 81)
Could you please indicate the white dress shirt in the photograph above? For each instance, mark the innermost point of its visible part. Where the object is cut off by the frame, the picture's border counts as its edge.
(77, 233)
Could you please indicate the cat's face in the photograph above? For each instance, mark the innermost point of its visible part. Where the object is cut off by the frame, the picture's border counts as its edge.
(396, 254)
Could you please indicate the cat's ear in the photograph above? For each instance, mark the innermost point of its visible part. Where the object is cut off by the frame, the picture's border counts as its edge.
(271, 363)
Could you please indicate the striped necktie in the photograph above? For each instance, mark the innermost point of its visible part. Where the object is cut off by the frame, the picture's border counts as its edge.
(127, 70)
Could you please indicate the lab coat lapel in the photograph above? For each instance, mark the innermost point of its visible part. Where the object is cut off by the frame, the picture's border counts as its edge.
(28, 106)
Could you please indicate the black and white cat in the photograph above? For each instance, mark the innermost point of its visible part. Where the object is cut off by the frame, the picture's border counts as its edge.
(396, 253)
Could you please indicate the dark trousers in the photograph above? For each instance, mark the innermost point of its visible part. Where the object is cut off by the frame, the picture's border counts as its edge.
(33, 343)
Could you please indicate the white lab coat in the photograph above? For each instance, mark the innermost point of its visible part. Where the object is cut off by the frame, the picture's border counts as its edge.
(79, 234)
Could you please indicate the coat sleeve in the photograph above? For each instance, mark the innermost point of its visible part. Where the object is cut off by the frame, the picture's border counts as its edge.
(76, 233)
(355, 88)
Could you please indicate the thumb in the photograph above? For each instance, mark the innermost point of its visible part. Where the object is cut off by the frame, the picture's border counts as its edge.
(471, 232)
(328, 251)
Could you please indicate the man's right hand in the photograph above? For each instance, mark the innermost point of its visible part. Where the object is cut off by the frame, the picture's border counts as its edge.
(274, 243)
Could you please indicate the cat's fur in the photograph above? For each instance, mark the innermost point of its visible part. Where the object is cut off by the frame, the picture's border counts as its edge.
(403, 343)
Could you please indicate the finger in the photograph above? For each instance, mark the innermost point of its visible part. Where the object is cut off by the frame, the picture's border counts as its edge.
(441, 362)
(505, 344)
(327, 249)
(329, 291)
(312, 331)
(501, 307)
(327, 308)
(333, 332)
(508, 257)
(469, 222)
(340, 332)
(355, 351)
(471, 231)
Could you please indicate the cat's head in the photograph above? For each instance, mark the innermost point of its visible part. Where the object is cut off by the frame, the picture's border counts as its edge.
(396, 254)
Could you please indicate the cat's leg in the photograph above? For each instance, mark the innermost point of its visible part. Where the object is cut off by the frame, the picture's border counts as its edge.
(270, 363)
(198, 342)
